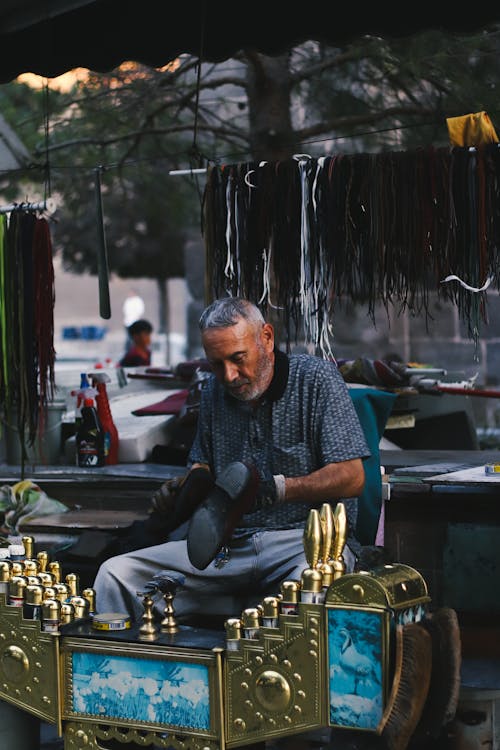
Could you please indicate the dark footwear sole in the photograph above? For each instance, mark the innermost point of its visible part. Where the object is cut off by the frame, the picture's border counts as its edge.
(213, 522)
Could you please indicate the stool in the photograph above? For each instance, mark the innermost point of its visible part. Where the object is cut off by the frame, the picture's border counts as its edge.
(477, 720)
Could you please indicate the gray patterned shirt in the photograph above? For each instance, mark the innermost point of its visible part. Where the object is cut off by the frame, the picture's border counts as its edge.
(305, 420)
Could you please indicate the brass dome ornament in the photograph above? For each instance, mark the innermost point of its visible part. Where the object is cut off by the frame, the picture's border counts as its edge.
(273, 691)
(15, 663)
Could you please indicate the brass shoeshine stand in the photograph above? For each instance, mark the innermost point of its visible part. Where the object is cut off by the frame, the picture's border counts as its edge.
(320, 653)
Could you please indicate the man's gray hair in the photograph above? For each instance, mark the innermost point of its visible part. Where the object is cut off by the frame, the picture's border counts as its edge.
(226, 312)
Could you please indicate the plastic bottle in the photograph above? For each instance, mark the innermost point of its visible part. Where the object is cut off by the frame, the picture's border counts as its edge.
(90, 437)
(85, 391)
(111, 439)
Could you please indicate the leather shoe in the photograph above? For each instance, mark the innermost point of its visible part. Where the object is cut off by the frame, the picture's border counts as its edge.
(176, 500)
(199, 482)
(214, 520)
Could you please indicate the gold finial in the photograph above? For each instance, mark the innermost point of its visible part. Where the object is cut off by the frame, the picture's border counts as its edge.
(312, 538)
(4, 571)
(51, 615)
(67, 613)
(340, 525)
(233, 628)
(147, 631)
(30, 567)
(311, 589)
(80, 605)
(169, 624)
(89, 594)
(72, 584)
(55, 569)
(250, 619)
(17, 588)
(29, 544)
(327, 534)
(47, 579)
(327, 530)
(16, 569)
(270, 611)
(43, 560)
(62, 592)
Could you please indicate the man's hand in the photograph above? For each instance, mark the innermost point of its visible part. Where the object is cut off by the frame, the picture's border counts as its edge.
(163, 500)
(177, 498)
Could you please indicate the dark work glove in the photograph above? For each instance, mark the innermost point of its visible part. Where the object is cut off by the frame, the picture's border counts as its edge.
(266, 493)
(177, 498)
(163, 500)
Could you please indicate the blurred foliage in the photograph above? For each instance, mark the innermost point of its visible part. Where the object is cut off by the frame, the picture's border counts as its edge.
(134, 124)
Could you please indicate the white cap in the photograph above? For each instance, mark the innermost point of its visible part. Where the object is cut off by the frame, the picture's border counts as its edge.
(16, 550)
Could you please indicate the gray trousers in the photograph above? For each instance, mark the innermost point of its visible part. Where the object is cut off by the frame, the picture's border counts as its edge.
(256, 566)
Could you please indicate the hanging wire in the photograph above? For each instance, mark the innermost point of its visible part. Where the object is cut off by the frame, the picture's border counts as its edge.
(198, 76)
(46, 126)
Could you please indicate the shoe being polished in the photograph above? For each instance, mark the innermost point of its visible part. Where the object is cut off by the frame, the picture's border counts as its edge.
(199, 482)
(214, 520)
(177, 499)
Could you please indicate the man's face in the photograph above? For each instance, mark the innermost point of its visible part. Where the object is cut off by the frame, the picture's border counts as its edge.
(241, 357)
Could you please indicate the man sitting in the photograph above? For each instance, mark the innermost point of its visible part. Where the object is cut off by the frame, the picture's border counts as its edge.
(276, 435)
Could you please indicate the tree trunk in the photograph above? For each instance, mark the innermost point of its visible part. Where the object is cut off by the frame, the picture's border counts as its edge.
(269, 105)
(164, 314)
(271, 131)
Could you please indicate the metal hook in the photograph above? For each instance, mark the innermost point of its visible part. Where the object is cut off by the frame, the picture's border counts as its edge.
(247, 181)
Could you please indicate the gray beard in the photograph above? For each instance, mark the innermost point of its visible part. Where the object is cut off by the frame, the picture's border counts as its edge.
(264, 377)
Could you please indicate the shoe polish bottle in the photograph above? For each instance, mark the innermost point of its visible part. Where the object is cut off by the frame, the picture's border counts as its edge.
(111, 440)
(233, 633)
(90, 438)
(290, 593)
(32, 606)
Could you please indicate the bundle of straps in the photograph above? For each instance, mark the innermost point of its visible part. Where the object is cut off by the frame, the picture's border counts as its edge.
(307, 235)
(27, 300)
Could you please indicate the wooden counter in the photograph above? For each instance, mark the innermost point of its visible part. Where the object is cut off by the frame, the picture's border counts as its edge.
(447, 525)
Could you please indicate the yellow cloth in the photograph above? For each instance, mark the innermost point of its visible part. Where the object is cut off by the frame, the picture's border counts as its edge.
(471, 130)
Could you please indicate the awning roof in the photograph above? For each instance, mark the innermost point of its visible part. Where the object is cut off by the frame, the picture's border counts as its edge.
(52, 37)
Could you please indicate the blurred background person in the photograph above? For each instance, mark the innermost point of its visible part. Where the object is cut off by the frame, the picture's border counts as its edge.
(138, 354)
(133, 309)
